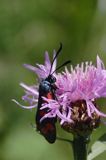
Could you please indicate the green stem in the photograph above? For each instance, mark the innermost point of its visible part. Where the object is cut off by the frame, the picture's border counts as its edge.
(80, 148)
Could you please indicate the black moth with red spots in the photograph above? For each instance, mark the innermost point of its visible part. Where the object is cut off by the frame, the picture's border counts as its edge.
(47, 89)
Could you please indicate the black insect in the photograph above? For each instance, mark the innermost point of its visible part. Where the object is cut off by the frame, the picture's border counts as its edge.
(47, 89)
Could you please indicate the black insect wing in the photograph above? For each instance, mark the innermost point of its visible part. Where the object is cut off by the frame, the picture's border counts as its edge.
(47, 126)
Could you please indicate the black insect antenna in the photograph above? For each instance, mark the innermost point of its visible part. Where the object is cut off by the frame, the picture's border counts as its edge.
(64, 64)
(57, 53)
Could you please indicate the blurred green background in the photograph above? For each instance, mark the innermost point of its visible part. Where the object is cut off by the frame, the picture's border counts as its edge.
(27, 29)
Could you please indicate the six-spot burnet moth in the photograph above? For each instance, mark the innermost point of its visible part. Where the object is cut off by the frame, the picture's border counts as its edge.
(47, 89)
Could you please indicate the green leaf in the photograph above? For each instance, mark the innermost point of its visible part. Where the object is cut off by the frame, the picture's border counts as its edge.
(97, 148)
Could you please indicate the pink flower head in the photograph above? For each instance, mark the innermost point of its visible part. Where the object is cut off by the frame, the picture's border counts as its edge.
(85, 82)
(77, 90)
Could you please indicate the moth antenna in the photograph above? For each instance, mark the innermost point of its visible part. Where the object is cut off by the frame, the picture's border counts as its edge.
(64, 64)
(57, 53)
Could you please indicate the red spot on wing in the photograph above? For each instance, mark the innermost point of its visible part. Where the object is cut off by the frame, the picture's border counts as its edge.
(50, 95)
(42, 113)
(47, 128)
